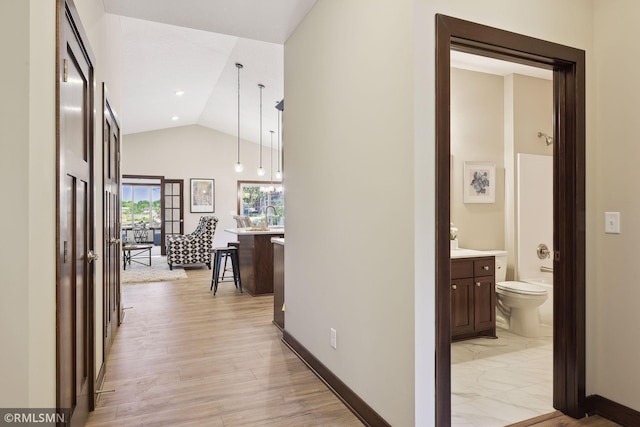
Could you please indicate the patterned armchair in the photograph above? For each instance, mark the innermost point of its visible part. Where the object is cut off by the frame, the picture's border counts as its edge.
(194, 248)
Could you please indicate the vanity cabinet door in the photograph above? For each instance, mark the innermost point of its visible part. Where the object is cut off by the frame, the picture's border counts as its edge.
(473, 298)
(462, 306)
(484, 295)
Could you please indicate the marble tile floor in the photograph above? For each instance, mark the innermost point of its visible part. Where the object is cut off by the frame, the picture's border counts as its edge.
(496, 382)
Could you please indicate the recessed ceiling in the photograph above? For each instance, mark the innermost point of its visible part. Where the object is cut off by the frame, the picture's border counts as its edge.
(192, 46)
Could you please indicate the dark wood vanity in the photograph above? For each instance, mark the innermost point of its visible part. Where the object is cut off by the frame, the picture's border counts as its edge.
(473, 298)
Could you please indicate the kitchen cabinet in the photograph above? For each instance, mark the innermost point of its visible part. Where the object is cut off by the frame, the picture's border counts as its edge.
(473, 298)
(278, 282)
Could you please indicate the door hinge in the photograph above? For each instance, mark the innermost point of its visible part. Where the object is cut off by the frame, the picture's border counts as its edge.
(64, 252)
(556, 255)
(65, 72)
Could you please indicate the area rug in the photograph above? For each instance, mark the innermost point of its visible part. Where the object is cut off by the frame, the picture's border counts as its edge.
(158, 272)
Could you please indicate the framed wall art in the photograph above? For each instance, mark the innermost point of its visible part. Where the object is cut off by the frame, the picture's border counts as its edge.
(202, 195)
(479, 182)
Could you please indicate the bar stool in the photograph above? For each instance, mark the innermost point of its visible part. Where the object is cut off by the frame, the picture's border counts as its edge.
(225, 252)
(225, 269)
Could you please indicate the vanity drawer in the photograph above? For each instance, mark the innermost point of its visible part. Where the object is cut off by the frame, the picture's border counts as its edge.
(483, 266)
(461, 269)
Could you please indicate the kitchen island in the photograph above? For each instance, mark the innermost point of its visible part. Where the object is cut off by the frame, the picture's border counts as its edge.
(256, 258)
(278, 281)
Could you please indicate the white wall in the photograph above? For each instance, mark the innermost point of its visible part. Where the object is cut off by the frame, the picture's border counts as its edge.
(477, 134)
(198, 152)
(27, 167)
(348, 133)
(356, 53)
(611, 176)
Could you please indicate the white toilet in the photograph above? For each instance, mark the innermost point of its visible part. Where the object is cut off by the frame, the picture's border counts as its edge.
(517, 302)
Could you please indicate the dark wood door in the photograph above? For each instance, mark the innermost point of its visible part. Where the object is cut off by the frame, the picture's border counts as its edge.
(111, 218)
(484, 296)
(75, 337)
(462, 309)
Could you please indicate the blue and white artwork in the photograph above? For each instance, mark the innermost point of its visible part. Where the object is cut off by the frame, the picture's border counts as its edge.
(479, 182)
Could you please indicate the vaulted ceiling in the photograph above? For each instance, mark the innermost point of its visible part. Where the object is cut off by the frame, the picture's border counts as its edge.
(192, 46)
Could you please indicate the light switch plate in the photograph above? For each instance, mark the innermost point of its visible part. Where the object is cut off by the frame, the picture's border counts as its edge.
(612, 222)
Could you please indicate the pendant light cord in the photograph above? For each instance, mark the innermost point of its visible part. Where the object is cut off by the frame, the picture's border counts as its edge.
(278, 140)
(238, 114)
(271, 158)
(239, 66)
(261, 86)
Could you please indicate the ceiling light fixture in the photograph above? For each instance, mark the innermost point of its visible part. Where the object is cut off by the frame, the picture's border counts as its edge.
(261, 169)
(174, 118)
(278, 172)
(179, 92)
(239, 167)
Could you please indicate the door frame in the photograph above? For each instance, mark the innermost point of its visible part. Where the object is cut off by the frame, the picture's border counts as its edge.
(109, 114)
(568, 65)
(160, 178)
(163, 238)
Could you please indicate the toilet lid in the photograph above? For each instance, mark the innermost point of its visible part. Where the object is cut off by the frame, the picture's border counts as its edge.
(521, 288)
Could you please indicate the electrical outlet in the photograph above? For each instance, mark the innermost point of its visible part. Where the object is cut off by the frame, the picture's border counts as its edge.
(334, 339)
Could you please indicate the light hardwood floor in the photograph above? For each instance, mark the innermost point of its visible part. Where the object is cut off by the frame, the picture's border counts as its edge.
(557, 419)
(184, 357)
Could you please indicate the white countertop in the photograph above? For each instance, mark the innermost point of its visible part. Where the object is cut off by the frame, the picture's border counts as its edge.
(255, 231)
(278, 240)
(472, 253)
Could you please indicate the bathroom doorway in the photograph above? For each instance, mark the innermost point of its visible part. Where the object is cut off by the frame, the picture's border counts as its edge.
(498, 108)
(568, 65)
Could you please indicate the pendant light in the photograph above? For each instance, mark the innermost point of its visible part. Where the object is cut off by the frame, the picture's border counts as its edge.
(278, 172)
(239, 166)
(261, 169)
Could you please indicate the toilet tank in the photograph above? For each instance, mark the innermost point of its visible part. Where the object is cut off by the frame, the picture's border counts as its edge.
(501, 267)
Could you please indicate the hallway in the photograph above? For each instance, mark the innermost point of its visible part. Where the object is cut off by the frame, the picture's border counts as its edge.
(183, 357)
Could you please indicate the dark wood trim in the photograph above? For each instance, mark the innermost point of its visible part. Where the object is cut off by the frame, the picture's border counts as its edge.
(161, 180)
(569, 200)
(443, 203)
(163, 231)
(598, 405)
(359, 407)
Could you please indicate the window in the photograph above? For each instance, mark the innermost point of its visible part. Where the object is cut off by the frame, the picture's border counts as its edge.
(255, 196)
(141, 209)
